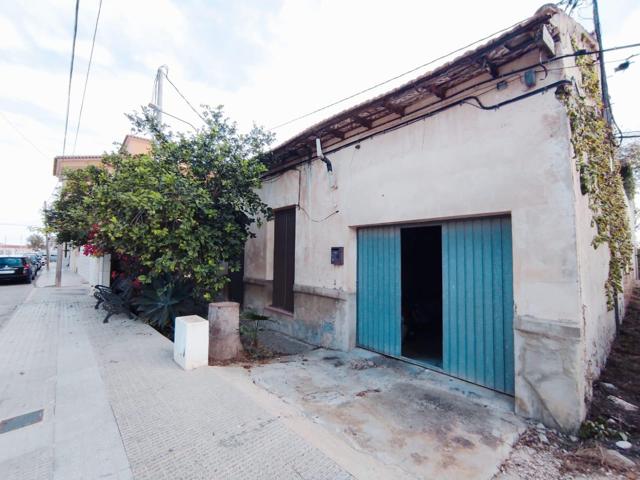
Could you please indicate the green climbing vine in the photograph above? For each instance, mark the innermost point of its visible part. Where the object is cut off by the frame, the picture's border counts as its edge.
(600, 177)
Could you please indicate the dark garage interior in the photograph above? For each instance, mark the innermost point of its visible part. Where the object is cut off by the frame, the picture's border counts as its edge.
(422, 294)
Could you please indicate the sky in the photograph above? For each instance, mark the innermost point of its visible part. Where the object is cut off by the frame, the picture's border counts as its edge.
(266, 61)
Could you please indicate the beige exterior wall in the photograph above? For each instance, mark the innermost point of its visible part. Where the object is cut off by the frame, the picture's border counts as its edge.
(95, 270)
(463, 162)
(599, 323)
(136, 145)
(60, 164)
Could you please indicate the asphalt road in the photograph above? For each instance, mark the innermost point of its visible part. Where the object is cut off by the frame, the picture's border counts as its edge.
(12, 295)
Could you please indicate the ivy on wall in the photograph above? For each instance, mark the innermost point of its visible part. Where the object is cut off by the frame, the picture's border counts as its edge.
(600, 176)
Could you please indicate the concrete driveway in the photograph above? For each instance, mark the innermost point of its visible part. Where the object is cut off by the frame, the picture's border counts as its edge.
(425, 424)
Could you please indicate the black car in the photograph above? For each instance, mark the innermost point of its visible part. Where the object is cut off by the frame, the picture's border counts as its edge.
(16, 268)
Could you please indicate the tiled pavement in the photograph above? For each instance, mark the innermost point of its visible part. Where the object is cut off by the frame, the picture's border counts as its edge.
(48, 363)
(116, 406)
(178, 424)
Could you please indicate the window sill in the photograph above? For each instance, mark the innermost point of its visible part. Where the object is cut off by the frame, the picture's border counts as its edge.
(279, 311)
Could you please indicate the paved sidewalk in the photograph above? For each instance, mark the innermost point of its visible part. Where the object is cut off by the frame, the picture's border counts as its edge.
(48, 364)
(116, 406)
(47, 278)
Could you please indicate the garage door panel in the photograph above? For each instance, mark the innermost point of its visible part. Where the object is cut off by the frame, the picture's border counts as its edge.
(478, 301)
(379, 295)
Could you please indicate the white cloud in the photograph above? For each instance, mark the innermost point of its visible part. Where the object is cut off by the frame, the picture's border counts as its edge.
(11, 38)
(265, 61)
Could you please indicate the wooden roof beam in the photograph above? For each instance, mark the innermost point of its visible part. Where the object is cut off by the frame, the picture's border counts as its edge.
(397, 109)
(491, 67)
(438, 90)
(336, 133)
(361, 121)
(299, 150)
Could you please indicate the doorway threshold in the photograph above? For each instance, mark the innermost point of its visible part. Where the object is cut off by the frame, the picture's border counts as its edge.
(470, 389)
(421, 363)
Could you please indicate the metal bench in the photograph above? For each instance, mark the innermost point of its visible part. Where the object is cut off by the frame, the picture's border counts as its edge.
(115, 299)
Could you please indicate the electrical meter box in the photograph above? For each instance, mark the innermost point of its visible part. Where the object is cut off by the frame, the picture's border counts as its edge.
(337, 255)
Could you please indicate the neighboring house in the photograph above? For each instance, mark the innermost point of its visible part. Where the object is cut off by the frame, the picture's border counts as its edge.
(446, 227)
(95, 270)
(131, 144)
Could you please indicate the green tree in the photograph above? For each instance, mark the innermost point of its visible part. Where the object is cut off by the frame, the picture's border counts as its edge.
(184, 211)
(35, 241)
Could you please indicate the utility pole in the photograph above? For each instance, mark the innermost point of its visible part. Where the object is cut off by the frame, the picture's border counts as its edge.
(157, 94)
(46, 239)
(59, 261)
(603, 74)
(608, 116)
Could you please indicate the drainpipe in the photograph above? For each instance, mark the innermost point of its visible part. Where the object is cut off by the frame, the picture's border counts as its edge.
(322, 157)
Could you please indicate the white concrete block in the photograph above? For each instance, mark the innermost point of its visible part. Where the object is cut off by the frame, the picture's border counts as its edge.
(191, 342)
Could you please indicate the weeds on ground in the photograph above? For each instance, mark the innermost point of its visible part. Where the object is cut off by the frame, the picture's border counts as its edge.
(600, 429)
(251, 323)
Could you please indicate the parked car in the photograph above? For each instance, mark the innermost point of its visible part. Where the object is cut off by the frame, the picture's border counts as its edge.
(41, 259)
(16, 268)
(35, 261)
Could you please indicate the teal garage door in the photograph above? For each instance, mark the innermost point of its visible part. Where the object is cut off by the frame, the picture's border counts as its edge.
(478, 301)
(477, 298)
(379, 325)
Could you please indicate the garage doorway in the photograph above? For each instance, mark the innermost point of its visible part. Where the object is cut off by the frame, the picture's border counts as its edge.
(421, 267)
(467, 263)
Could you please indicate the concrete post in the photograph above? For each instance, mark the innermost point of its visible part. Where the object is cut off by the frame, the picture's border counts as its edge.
(224, 337)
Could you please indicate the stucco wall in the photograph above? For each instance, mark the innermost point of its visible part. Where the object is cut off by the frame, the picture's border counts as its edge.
(599, 322)
(136, 145)
(95, 270)
(460, 163)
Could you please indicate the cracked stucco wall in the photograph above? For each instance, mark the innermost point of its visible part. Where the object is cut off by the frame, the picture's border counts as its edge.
(461, 163)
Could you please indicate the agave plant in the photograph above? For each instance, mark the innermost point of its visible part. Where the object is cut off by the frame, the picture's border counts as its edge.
(160, 302)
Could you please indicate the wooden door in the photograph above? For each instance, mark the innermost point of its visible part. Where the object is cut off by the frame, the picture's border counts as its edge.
(284, 258)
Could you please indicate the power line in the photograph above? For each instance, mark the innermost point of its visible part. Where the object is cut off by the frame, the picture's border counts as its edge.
(630, 134)
(24, 137)
(183, 97)
(384, 82)
(73, 55)
(157, 109)
(86, 78)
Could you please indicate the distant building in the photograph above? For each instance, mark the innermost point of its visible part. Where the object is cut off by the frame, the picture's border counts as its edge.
(8, 249)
